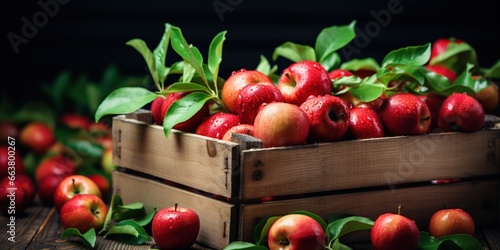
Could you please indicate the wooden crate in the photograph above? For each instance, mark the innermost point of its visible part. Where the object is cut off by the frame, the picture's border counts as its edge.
(226, 181)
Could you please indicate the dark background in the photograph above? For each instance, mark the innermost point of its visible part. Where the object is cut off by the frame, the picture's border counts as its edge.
(87, 36)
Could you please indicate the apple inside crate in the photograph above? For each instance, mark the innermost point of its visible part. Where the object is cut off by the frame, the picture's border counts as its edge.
(233, 185)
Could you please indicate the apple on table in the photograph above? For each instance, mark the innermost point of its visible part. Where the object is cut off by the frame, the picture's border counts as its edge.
(296, 232)
(72, 186)
(175, 227)
(449, 221)
(84, 212)
(392, 231)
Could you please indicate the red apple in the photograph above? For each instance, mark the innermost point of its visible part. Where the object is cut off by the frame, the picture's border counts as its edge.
(37, 136)
(296, 232)
(75, 121)
(217, 124)
(7, 129)
(83, 212)
(103, 184)
(405, 114)
(156, 110)
(47, 188)
(394, 232)
(461, 112)
(54, 165)
(443, 70)
(246, 129)
(303, 79)
(441, 45)
(450, 221)
(252, 96)
(364, 123)
(433, 102)
(489, 97)
(26, 183)
(328, 117)
(236, 82)
(336, 73)
(74, 185)
(281, 124)
(187, 126)
(175, 227)
(13, 197)
(10, 161)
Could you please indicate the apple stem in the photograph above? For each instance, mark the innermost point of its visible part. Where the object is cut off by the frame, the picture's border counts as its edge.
(400, 207)
(74, 185)
(289, 78)
(175, 207)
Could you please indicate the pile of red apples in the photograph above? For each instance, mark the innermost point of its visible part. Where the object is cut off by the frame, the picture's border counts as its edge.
(301, 108)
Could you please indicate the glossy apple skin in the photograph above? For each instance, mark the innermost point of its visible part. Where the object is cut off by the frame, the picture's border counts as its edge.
(364, 123)
(451, 221)
(303, 79)
(15, 163)
(83, 212)
(328, 118)
(74, 185)
(252, 96)
(394, 232)
(186, 126)
(54, 165)
(461, 112)
(489, 97)
(281, 124)
(37, 136)
(444, 71)
(47, 187)
(246, 129)
(405, 114)
(336, 73)
(103, 184)
(236, 82)
(433, 102)
(175, 228)
(217, 124)
(26, 183)
(296, 232)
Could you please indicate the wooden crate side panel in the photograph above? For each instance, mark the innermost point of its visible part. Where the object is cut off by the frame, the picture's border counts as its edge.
(419, 203)
(184, 158)
(215, 216)
(374, 162)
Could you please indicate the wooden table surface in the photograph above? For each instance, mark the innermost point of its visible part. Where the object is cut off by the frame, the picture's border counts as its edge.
(40, 228)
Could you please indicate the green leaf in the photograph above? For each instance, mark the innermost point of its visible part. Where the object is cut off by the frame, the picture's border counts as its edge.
(123, 101)
(35, 111)
(265, 67)
(185, 87)
(147, 218)
(88, 238)
(130, 211)
(456, 57)
(147, 54)
(340, 227)
(316, 217)
(85, 148)
(356, 64)
(215, 54)
(294, 52)
(332, 61)
(188, 52)
(240, 245)
(262, 229)
(183, 109)
(493, 71)
(188, 72)
(456, 241)
(160, 54)
(129, 232)
(367, 92)
(116, 201)
(412, 55)
(339, 246)
(55, 91)
(333, 38)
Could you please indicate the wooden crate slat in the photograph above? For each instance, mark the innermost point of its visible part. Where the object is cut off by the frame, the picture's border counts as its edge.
(184, 158)
(478, 198)
(375, 162)
(215, 216)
